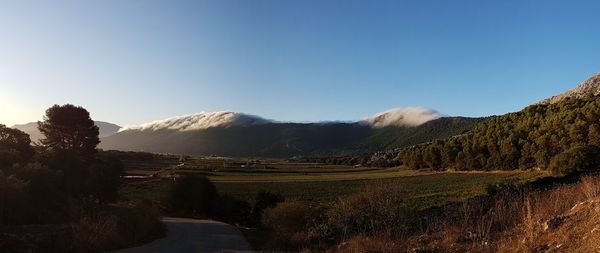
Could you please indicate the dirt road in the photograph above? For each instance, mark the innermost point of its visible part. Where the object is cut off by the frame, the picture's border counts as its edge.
(195, 236)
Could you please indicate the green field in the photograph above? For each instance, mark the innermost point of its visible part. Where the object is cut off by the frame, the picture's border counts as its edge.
(319, 182)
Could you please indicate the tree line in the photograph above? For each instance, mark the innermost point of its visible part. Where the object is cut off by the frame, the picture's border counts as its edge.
(563, 136)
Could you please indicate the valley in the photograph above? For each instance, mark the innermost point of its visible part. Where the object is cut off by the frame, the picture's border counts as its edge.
(312, 182)
(299, 126)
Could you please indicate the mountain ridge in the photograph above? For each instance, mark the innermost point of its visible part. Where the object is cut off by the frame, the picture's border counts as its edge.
(276, 139)
(105, 129)
(588, 87)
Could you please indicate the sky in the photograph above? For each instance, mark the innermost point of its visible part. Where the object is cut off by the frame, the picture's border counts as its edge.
(130, 62)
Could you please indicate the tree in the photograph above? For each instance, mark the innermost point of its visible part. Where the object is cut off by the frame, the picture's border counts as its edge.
(69, 128)
(15, 146)
(577, 159)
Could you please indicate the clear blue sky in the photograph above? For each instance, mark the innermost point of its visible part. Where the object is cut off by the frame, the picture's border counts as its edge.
(131, 61)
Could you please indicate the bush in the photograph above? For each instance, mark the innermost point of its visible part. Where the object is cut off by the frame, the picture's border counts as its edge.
(15, 205)
(287, 222)
(48, 202)
(383, 209)
(102, 228)
(192, 196)
(263, 201)
(105, 177)
(98, 178)
(578, 159)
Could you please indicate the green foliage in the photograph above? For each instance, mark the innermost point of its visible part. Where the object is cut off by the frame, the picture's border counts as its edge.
(15, 146)
(577, 159)
(69, 128)
(192, 195)
(526, 139)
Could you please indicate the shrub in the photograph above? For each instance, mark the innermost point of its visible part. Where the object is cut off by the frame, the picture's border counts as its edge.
(15, 205)
(75, 175)
(590, 186)
(383, 209)
(102, 228)
(105, 178)
(287, 222)
(47, 201)
(263, 201)
(192, 196)
(577, 159)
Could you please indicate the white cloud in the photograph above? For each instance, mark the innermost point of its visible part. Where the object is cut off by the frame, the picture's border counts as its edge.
(399, 117)
(202, 120)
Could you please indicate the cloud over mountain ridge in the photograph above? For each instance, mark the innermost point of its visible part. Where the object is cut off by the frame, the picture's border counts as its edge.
(402, 117)
(201, 120)
(398, 117)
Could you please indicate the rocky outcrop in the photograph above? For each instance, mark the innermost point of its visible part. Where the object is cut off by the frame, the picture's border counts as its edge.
(589, 87)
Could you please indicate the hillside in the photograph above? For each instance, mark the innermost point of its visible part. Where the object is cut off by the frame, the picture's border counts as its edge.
(273, 139)
(557, 134)
(589, 87)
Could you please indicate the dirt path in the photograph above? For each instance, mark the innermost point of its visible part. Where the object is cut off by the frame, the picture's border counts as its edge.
(191, 236)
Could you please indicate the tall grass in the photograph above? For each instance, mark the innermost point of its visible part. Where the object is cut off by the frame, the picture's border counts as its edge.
(562, 217)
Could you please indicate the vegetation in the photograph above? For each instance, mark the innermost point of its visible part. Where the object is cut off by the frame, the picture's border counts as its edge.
(53, 198)
(192, 196)
(538, 216)
(428, 189)
(577, 159)
(69, 128)
(531, 138)
(285, 140)
(15, 146)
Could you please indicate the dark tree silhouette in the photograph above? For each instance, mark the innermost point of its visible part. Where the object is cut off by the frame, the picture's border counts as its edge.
(15, 146)
(69, 128)
(193, 196)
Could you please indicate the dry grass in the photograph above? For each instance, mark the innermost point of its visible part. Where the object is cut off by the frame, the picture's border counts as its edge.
(364, 244)
(590, 187)
(565, 218)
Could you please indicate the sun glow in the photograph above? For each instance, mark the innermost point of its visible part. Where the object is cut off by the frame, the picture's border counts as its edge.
(12, 112)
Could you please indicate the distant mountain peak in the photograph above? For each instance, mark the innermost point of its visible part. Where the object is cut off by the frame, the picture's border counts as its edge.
(589, 87)
(402, 117)
(31, 128)
(201, 120)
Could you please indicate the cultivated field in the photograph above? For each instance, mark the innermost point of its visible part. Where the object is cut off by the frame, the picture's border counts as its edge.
(243, 179)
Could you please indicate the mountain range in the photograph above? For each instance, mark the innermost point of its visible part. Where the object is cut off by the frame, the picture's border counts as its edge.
(237, 134)
(228, 133)
(105, 129)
